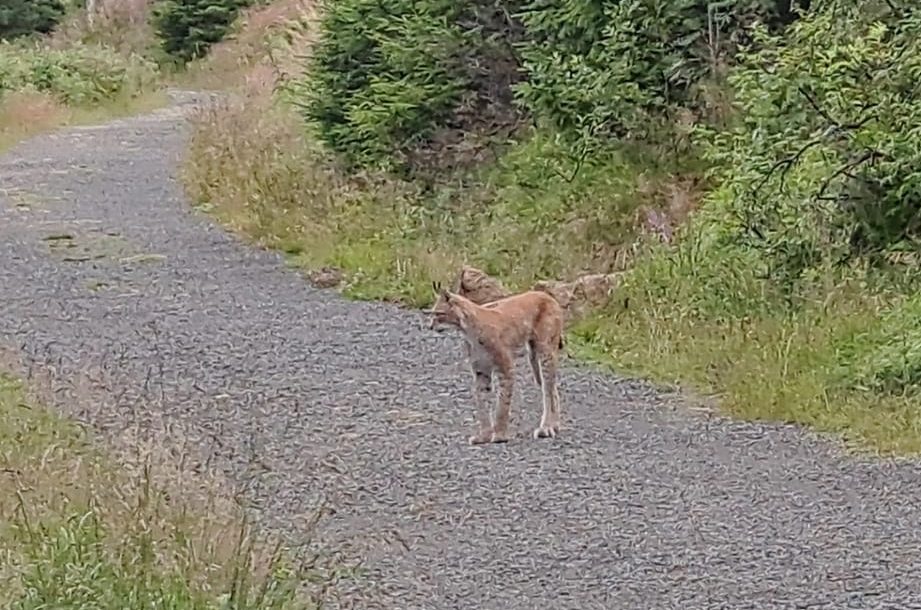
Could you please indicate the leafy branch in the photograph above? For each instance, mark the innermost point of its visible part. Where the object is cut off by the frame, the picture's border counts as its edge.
(834, 128)
(846, 170)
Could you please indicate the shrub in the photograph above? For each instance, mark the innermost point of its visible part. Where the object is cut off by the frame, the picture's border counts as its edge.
(188, 28)
(79, 75)
(821, 166)
(24, 17)
(399, 82)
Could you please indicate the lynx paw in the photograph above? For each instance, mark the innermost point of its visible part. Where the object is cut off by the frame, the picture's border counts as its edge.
(499, 437)
(481, 438)
(545, 432)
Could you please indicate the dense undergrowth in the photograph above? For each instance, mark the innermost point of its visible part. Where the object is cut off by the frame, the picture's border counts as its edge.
(752, 164)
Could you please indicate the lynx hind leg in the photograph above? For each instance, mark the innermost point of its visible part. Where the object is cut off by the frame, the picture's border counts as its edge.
(482, 388)
(534, 360)
(504, 403)
(549, 370)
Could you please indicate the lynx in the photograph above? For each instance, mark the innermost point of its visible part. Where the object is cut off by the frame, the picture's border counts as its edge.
(494, 335)
(577, 297)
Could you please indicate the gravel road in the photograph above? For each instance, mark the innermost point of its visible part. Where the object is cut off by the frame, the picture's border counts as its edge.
(107, 274)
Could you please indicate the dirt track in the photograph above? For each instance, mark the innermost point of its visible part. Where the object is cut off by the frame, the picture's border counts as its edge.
(108, 275)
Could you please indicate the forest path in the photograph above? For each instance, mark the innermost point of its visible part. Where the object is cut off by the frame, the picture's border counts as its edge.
(108, 276)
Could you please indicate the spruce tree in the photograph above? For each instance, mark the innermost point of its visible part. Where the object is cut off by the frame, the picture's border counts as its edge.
(187, 28)
(24, 17)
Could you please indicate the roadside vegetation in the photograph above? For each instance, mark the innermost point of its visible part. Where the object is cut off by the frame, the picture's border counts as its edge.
(83, 528)
(56, 68)
(751, 166)
(75, 61)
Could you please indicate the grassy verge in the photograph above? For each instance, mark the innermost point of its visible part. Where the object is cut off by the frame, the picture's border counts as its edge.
(267, 40)
(786, 368)
(52, 81)
(80, 529)
(28, 113)
(251, 165)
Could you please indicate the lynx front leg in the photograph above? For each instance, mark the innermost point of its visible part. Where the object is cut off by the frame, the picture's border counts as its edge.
(482, 388)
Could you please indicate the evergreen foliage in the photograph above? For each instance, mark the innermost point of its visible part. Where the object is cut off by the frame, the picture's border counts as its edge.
(24, 17)
(392, 79)
(609, 68)
(188, 28)
(388, 80)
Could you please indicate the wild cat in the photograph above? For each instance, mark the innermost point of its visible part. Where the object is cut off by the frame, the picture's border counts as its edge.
(494, 335)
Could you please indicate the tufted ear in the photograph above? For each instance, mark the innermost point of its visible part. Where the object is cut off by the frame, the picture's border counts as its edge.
(459, 282)
(436, 287)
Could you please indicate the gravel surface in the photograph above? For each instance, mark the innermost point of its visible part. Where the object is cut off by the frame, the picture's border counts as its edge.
(108, 275)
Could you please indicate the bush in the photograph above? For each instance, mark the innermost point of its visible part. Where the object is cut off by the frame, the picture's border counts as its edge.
(821, 166)
(783, 295)
(394, 84)
(80, 75)
(24, 17)
(188, 28)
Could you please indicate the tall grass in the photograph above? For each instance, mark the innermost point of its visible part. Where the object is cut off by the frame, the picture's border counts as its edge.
(27, 112)
(817, 364)
(121, 25)
(251, 163)
(82, 528)
(266, 44)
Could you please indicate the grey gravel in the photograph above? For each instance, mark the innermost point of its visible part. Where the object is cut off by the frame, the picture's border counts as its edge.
(299, 395)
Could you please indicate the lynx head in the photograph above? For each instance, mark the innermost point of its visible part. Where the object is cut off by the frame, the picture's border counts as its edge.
(444, 311)
(479, 287)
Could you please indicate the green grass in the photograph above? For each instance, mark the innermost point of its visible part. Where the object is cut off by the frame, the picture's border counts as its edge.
(81, 529)
(771, 368)
(251, 166)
